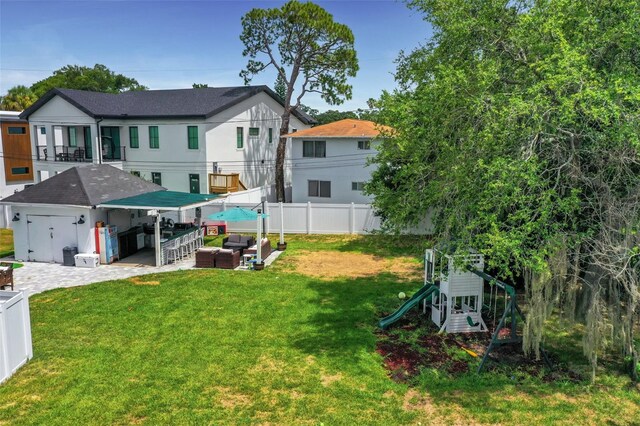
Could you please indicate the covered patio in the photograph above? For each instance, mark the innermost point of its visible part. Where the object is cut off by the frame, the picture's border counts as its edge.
(166, 234)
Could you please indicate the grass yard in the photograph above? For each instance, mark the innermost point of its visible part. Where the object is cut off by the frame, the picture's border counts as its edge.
(283, 346)
(6, 242)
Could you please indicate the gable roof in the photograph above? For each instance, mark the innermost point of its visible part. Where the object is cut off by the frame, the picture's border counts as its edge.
(347, 128)
(203, 102)
(87, 185)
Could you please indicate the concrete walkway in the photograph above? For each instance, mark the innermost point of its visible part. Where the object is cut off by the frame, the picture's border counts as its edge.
(35, 277)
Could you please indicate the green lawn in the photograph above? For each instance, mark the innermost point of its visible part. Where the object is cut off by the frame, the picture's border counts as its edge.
(226, 347)
(6, 242)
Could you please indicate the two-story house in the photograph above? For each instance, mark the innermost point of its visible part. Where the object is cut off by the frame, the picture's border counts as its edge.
(329, 162)
(193, 140)
(15, 149)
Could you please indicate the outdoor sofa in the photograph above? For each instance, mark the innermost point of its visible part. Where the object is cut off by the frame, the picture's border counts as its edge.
(238, 242)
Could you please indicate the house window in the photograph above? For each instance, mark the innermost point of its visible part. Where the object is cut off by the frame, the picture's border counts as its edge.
(156, 177)
(320, 188)
(270, 134)
(134, 140)
(73, 138)
(254, 132)
(364, 144)
(135, 173)
(357, 186)
(154, 137)
(239, 138)
(314, 149)
(17, 130)
(192, 135)
(19, 170)
(43, 130)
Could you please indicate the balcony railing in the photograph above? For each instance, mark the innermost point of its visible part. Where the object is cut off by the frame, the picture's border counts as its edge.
(41, 153)
(71, 153)
(113, 153)
(222, 183)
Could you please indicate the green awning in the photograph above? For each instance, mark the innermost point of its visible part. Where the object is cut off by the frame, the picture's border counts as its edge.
(161, 200)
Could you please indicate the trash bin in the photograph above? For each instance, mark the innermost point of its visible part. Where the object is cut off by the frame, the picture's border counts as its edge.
(68, 256)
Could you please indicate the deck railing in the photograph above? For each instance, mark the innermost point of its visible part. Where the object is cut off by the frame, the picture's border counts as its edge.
(222, 183)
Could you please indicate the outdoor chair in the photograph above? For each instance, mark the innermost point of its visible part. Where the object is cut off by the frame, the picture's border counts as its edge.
(6, 275)
(173, 250)
(265, 248)
(206, 256)
(228, 259)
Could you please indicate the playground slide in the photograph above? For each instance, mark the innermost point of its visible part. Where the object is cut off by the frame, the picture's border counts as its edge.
(425, 293)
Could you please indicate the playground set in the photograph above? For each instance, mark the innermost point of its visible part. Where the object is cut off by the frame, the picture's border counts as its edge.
(454, 291)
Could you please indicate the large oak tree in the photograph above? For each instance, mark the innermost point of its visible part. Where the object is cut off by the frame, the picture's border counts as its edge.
(310, 52)
(519, 124)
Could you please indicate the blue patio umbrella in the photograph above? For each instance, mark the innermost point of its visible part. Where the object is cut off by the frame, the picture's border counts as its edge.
(239, 214)
(236, 214)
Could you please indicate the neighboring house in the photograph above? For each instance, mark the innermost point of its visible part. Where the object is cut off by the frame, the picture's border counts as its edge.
(15, 149)
(329, 163)
(193, 140)
(61, 211)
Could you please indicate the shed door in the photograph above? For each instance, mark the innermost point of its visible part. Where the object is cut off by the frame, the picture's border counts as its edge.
(48, 235)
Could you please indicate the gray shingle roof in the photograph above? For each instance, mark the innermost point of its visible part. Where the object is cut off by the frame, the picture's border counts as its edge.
(179, 103)
(87, 185)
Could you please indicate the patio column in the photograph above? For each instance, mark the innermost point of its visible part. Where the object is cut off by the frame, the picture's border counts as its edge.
(156, 236)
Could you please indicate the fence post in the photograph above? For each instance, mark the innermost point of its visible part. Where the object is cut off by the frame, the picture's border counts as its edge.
(267, 222)
(352, 218)
(308, 217)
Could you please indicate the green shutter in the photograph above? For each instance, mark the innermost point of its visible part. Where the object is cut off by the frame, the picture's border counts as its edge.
(73, 141)
(192, 135)
(239, 138)
(270, 134)
(134, 140)
(154, 137)
(254, 131)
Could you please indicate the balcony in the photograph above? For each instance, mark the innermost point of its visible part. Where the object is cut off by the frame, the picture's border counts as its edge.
(113, 153)
(223, 183)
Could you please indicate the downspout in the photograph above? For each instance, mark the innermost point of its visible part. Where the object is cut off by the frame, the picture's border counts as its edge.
(99, 153)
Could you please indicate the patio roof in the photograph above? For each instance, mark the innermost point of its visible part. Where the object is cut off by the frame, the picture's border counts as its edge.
(161, 200)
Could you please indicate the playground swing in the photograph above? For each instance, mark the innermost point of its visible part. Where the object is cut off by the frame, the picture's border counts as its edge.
(456, 301)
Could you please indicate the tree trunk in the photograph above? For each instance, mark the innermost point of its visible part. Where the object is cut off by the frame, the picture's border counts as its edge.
(280, 157)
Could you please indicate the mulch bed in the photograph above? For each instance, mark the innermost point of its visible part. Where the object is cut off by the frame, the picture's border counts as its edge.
(404, 360)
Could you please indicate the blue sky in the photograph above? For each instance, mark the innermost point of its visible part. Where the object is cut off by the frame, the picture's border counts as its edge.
(172, 44)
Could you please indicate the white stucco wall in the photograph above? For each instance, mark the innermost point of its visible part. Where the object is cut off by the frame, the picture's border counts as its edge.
(173, 159)
(256, 160)
(86, 240)
(344, 163)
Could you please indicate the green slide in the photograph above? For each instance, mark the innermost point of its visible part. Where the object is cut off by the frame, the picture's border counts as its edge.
(425, 293)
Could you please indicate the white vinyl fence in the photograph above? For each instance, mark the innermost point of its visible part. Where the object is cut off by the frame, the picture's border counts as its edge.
(304, 218)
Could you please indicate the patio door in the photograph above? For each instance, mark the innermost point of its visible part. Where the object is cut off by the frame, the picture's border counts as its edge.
(48, 235)
(194, 184)
(110, 143)
(87, 143)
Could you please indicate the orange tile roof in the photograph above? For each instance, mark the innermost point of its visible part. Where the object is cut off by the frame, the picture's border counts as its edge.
(347, 128)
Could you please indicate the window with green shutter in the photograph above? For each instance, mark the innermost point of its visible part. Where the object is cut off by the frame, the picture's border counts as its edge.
(154, 137)
(192, 134)
(254, 132)
(239, 138)
(270, 134)
(73, 140)
(134, 140)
